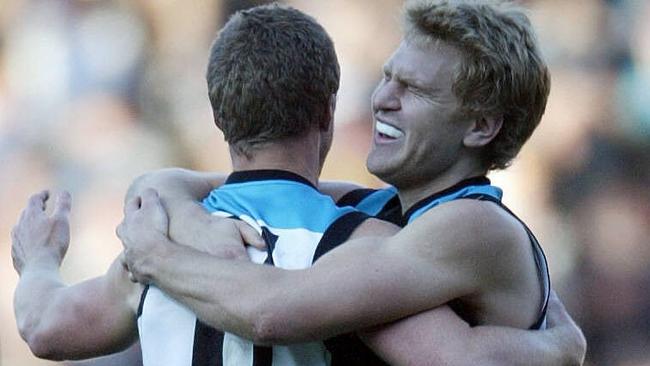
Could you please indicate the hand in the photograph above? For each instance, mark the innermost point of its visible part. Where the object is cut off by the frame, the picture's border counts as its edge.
(221, 237)
(565, 332)
(39, 238)
(143, 232)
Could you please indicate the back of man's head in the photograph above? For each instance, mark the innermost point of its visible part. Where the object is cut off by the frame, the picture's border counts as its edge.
(271, 74)
(502, 73)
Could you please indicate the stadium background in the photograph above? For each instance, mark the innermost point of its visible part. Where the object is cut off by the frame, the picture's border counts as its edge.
(94, 93)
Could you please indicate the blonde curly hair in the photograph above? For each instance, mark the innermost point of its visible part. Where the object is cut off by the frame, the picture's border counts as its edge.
(502, 73)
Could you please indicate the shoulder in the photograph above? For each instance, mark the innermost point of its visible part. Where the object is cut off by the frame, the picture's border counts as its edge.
(466, 227)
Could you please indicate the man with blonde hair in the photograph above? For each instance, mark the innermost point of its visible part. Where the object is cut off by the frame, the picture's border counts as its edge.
(462, 93)
(433, 144)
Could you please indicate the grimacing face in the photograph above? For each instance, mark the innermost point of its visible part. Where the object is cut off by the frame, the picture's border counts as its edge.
(418, 126)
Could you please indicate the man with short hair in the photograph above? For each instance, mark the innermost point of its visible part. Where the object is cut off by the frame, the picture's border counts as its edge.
(460, 96)
(295, 155)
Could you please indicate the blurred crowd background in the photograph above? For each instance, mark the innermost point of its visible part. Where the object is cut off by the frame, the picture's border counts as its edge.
(95, 93)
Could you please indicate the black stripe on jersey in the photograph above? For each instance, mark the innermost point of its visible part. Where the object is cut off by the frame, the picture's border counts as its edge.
(353, 197)
(475, 181)
(142, 297)
(208, 345)
(265, 174)
(270, 239)
(263, 355)
(540, 258)
(346, 349)
(392, 212)
(338, 232)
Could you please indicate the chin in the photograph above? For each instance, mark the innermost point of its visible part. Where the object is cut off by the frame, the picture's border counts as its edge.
(383, 170)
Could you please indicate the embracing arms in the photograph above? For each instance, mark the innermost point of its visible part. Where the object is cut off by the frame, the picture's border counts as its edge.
(409, 341)
(457, 340)
(92, 318)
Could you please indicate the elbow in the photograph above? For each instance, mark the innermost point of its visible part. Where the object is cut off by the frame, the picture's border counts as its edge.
(273, 322)
(42, 343)
(266, 329)
(151, 180)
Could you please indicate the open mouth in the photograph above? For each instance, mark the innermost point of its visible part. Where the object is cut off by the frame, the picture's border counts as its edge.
(387, 131)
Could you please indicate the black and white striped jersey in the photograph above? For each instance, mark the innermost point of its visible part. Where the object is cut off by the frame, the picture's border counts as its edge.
(298, 223)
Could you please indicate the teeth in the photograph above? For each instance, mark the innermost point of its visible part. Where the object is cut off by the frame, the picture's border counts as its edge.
(388, 130)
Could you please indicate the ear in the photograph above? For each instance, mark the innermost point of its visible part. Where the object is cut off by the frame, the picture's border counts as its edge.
(482, 131)
(328, 122)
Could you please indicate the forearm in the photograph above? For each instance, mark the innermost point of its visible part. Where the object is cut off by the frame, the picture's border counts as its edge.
(71, 322)
(511, 346)
(181, 192)
(268, 304)
(228, 295)
(32, 299)
(440, 337)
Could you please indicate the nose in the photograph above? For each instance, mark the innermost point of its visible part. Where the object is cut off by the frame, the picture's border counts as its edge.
(386, 96)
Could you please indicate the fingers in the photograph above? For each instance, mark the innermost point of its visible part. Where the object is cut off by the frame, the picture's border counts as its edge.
(150, 198)
(250, 236)
(37, 201)
(125, 265)
(133, 205)
(62, 205)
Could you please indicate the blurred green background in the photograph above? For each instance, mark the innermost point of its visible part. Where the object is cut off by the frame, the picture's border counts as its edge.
(94, 93)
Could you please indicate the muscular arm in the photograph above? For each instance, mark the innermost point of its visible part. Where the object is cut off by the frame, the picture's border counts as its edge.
(221, 298)
(409, 341)
(92, 318)
(289, 306)
(181, 192)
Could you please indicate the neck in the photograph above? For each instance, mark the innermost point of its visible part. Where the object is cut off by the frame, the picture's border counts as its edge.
(296, 155)
(412, 194)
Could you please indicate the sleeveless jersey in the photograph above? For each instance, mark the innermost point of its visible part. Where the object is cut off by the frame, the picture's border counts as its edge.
(298, 223)
(385, 205)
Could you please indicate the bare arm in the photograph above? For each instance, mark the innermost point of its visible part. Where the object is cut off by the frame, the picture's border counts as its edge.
(409, 341)
(181, 192)
(92, 318)
(233, 296)
(280, 306)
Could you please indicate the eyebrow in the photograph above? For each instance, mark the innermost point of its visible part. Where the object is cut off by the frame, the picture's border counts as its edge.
(405, 78)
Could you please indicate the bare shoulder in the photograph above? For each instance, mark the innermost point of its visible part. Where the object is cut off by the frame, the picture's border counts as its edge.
(467, 226)
(337, 189)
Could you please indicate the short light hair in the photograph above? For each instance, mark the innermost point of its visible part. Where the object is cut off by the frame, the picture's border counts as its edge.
(502, 73)
(271, 75)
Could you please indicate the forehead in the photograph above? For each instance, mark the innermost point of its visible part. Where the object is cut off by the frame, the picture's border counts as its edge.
(425, 63)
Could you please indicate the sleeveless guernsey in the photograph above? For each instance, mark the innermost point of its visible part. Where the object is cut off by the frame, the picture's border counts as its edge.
(298, 223)
(385, 205)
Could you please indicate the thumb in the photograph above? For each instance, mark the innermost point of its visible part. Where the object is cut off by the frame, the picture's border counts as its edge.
(250, 236)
